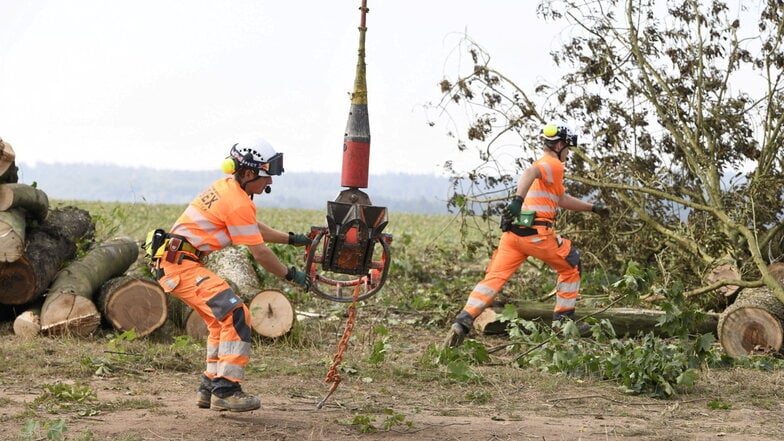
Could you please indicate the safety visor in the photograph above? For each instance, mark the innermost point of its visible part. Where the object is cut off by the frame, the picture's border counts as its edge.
(274, 166)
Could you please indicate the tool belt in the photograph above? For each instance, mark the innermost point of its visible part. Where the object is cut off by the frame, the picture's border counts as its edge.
(524, 231)
(169, 247)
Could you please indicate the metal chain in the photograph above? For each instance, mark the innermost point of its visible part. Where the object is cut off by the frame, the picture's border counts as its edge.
(333, 375)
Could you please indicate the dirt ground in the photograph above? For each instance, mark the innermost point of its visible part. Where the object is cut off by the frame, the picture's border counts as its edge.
(519, 404)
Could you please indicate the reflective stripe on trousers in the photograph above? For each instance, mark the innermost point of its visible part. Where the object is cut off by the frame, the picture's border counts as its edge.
(512, 251)
(226, 316)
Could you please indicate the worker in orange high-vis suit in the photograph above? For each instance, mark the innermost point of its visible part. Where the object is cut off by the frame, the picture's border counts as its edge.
(222, 215)
(527, 224)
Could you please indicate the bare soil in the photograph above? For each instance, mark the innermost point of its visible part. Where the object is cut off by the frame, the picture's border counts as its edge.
(146, 402)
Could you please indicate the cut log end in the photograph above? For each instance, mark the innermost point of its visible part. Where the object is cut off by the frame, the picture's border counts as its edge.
(18, 282)
(70, 314)
(134, 304)
(271, 314)
(27, 324)
(754, 324)
(749, 331)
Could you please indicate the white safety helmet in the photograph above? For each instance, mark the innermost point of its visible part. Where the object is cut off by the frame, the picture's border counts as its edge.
(257, 154)
(559, 132)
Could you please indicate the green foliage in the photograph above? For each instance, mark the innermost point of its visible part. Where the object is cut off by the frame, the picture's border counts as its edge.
(60, 397)
(646, 364)
(116, 344)
(364, 423)
(381, 346)
(109, 225)
(457, 362)
(718, 404)
(54, 430)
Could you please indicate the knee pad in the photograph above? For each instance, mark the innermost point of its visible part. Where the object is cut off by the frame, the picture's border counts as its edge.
(241, 326)
(573, 258)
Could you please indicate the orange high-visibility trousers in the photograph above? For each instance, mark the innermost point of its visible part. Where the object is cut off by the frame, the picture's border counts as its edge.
(226, 316)
(512, 251)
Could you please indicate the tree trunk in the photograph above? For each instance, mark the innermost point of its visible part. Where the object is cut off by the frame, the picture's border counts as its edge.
(186, 319)
(8, 169)
(132, 303)
(34, 201)
(234, 265)
(625, 321)
(69, 306)
(271, 314)
(753, 324)
(49, 246)
(28, 323)
(12, 234)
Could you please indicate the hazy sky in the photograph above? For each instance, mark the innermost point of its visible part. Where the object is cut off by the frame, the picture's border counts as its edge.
(172, 84)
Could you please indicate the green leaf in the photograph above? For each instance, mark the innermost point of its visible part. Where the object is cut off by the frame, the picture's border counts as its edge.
(688, 377)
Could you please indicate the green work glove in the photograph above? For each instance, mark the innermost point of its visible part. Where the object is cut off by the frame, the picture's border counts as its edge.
(298, 277)
(601, 210)
(299, 240)
(512, 210)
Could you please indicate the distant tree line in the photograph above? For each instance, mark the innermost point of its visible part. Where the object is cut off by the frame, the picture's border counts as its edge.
(425, 194)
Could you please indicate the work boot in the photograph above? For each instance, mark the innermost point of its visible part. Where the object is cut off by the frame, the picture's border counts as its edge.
(560, 319)
(458, 331)
(204, 394)
(238, 401)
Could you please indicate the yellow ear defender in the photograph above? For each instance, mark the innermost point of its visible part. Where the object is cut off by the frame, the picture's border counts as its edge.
(229, 166)
(550, 131)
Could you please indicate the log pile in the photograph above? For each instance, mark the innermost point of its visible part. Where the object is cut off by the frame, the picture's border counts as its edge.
(45, 285)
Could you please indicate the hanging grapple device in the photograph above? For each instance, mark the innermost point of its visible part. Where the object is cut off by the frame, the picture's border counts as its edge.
(346, 247)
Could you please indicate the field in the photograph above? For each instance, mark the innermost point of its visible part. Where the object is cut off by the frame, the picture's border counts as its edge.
(397, 383)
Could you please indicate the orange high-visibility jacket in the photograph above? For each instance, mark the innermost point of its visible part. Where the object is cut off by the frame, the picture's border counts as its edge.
(545, 192)
(221, 215)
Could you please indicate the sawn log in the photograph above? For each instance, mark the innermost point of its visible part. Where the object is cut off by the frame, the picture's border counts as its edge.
(28, 323)
(754, 324)
(69, 306)
(133, 303)
(32, 200)
(49, 245)
(271, 314)
(625, 321)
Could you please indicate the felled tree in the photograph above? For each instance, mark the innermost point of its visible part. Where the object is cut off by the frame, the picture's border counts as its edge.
(681, 106)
